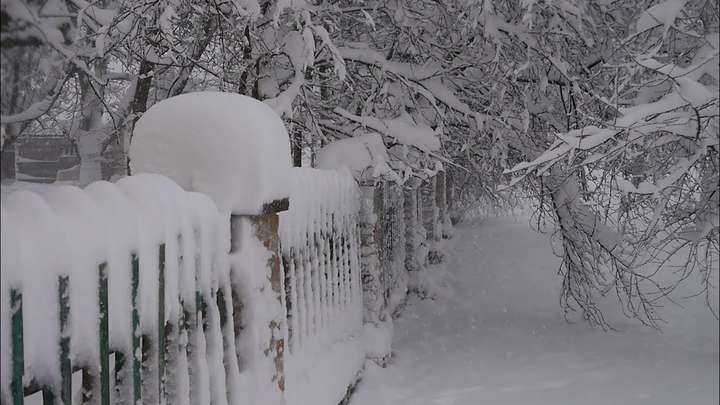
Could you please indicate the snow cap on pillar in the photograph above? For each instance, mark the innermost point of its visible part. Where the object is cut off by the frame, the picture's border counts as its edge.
(231, 147)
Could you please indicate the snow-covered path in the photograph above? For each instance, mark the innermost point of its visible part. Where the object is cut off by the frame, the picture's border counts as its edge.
(497, 336)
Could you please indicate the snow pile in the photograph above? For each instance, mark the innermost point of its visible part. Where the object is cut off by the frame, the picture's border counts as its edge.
(430, 282)
(231, 147)
(66, 231)
(324, 379)
(364, 155)
(12, 186)
(324, 299)
(377, 339)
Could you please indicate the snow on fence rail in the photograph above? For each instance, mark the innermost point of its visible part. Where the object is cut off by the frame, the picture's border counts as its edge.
(135, 271)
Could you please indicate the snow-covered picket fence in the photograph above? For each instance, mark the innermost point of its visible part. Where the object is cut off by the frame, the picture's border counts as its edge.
(320, 243)
(389, 206)
(408, 222)
(139, 272)
(131, 272)
(235, 279)
(402, 219)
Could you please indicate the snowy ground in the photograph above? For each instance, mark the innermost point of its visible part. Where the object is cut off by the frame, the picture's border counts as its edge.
(497, 336)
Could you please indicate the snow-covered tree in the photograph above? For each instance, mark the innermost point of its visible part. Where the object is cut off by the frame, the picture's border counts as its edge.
(620, 145)
(604, 112)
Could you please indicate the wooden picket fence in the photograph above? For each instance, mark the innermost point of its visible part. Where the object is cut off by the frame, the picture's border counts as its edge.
(132, 368)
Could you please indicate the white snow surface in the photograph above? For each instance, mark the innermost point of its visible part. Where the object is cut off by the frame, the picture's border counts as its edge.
(402, 129)
(494, 334)
(231, 147)
(378, 338)
(660, 14)
(65, 230)
(365, 156)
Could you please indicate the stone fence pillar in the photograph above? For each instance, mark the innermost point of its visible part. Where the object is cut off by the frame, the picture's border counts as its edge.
(241, 167)
(441, 198)
(412, 237)
(430, 219)
(450, 196)
(264, 227)
(393, 245)
(429, 208)
(371, 274)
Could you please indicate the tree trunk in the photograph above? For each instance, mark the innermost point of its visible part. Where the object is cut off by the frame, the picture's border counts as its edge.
(90, 135)
(139, 102)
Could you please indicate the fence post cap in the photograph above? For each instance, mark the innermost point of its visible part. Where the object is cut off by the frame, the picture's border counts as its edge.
(276, 206)
(231, 147)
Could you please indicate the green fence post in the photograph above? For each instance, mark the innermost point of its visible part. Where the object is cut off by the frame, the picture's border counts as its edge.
(161, 322)
(174, 346)
(65, 366)
(136, 355)
(289, 299)
(104, 332)
(96, 382)
(18, 358)
(120, 378)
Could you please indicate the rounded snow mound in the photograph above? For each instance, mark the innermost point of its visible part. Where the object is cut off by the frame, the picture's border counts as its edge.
(231, 147)
(365, 156)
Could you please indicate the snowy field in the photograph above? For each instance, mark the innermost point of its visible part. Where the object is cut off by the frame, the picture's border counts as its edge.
(495, 335)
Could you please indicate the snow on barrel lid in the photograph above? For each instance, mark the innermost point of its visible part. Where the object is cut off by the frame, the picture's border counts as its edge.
(231, 147)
